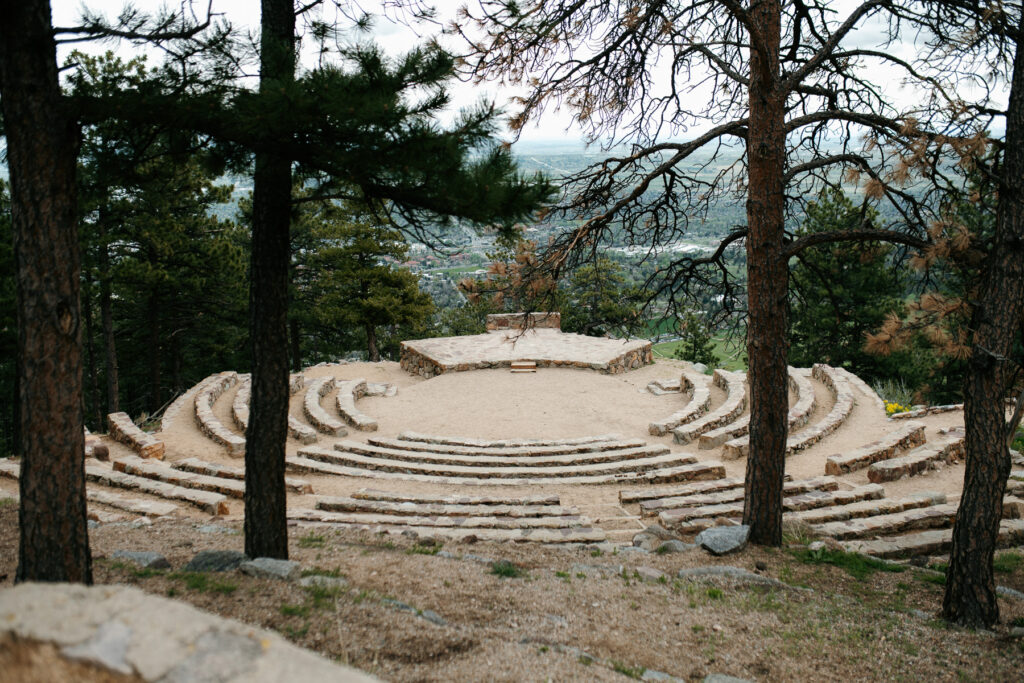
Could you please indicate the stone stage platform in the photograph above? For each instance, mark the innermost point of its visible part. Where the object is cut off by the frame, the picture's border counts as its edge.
(506, 342)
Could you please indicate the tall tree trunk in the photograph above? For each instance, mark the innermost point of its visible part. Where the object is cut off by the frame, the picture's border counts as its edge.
(296, 341)
(767, 284)
(970, 597)
(266, 525)
(107, 321)
(90, 346)
(155, 359)
(42, 144)
(371, 343)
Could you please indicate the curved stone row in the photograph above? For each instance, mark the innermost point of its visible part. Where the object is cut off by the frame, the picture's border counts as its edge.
(197, 466)
(504, 443)
(921, 459)
(699, 387)
(189, 480)
(583, 448)
(798, 416)
(209, 424)
(840, 389)
(121, 428)
(863, 387)
(348, 392)
(317, 416)
(909, 435)
(735, 386)
(240, 410)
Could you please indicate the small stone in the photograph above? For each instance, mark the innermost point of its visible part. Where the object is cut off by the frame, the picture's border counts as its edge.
(271, 568)
(477, 558)
(646, 541)
(213, 529)
(675, 546)
(1009, 593)
(470, 539)
(760, 566)
(659, 531)
(652, 675)
(651, 574)
(146, 559)
(1017, 632)
(409, 533)
(700, 367)
(816, 546)
(724, 540)
(215, 561)
(93, 524)
(557, 620)
(433, 617)
(633, 549)
(723, 678)
(445, 554)
(101, 452)
(398, 605)
(320, 581)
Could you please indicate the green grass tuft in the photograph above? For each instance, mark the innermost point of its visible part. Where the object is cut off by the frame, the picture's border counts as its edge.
(635, 672)
(1007, 563)
(506, 570)
(858, 566)
(203, 583)
(312, 540)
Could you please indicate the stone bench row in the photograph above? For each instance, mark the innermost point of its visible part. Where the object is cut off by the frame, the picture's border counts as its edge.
(529, 535)
(122, 429)
(349, 454)
(695, 519)
(349, 391)
(920, 460)
(197, 466)
(930, 410)
(137, 506)
(799, 415)
(477, 460)
(869, 508)
(454, 498)
(660, 387)
(322, 420)
(189, 480)
(212, 389)
(474, 519)
(735, 386)
(932, 542)
(213, 503)
(909, 435)
(240, 410)
(932, 516)
(662, 475)
(841, 391)
(505, 443)
(385, 507)
(582, 449)
(651, 507)
(698, 386)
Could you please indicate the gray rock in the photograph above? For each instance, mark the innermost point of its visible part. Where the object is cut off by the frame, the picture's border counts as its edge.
(433, 617)
(1017, 632)
(650, 574)
(1009, 593)
(321, 581)
(397, 605)
(218, 656)
(445, 554)
(675, 546)
(557, 620)
(652, 675)
(724, 678)
(646, 541)
(920, 614)
(107, 647)
(633, 549)
(595, 570)
(700, 367)
(147, 559)
(93, 524)
(213, 529)
(660, 531)
(270, 568)
(477, 558)
(215, 561)
(724, 540)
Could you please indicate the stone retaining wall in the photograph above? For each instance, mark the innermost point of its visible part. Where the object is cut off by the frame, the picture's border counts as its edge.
(418, 364)
(121, 428)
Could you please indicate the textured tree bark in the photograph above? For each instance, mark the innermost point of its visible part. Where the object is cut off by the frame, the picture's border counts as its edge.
(767, 284)
(970, 597)
(296, 341)
(107, 321)
(373, 353)
(266, 524)
(42, 144)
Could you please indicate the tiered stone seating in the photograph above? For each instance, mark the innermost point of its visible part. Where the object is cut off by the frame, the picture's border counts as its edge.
(843, 393)
(504, 443)
(212, 389)
(920, 460)
(699, 389)
(189, 480)
(931, 542)
(734, 385)
(213, 503)
(455, 498)
(909, 435)
(881, 525)
(530, 456)
(197, 466)
(660, 387)
(491, 519)
(240, 411)
(869, 508)
(694, 519)
(121, 428)
(317, 416)
(240, 404)
(872, 396)
(348, 392)
(640, 495)
(651, 507)
(736, 433)
(930, 410)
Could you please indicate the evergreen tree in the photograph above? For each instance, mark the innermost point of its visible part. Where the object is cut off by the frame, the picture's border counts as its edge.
(695, 344)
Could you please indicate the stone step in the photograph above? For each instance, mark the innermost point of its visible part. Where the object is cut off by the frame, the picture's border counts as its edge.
(909, 435)
(593, 447)
(717, 437)
(660, 387)
(213, 503)
(121, 428)
(348, 392)
(344, 504)
(454, 498)
(929, 410)
(932, 542)
(919, 460)
(681, 518)
(737, 441)
(210, 390)
(523, 366)
(869, 508)
(188, 480)
(637, 495)
(315, 413)
(240, 403)
(534, 535)
(884, 525)
(699, 388)
(391, 464)
(532, 461)
(840, 388)
(484, 521)
(873, 398)
(649, 508)
(197, 466)
(735, 386)
(504, 443)
(302, 433)
(666, 475)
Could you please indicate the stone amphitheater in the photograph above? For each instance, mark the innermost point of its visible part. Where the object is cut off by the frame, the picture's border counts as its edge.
(539, 436)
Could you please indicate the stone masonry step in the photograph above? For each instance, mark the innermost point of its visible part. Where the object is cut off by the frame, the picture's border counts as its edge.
(869, 508)
(932, 542)
(637, 495)
(189, 480)
(213, 503)
(738, 438)
(210, 390)
(735, 386)
(389, 464)
(345, 504)
(699, 388)
(302, 433)
(315, 413)
(884, 525)
(568, 460)
(909, 435)
(123, 429)
(348, 392)
(454, 498)
(564, 449)
(666, 475)
(919, 460)
(535, 535)
(504, 443)
(730, 495)
(465, 522)
(197, 466)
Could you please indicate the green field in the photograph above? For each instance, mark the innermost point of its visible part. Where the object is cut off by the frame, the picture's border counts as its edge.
(730, 354)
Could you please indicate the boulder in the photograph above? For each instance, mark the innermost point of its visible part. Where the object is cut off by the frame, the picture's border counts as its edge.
(215, 561)
(724, 540)
(270, 568)
(146, 559)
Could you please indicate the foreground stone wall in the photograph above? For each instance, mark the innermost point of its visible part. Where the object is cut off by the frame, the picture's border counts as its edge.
(419, 364)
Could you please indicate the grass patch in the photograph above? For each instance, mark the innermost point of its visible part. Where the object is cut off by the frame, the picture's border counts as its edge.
(320, 571)
(858, 566)
(203, 583)
(297, 633)
(937, 579)
(323, 597)
(715, 593)
(295, 610)
(312, 540)
(506, 570)
(1007, 563)
(635, 672)
(422, 549)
